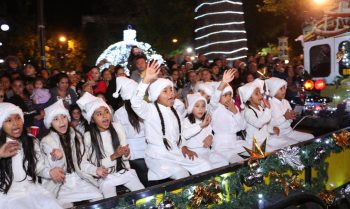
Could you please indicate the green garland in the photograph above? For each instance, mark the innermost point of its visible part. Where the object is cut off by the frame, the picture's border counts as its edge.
(236, 195)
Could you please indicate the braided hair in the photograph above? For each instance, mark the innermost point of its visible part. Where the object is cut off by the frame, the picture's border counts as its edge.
(165, 141)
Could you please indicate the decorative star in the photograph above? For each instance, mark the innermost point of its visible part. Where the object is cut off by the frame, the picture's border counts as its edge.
(342, 138)
(257, 152)
(287, 184)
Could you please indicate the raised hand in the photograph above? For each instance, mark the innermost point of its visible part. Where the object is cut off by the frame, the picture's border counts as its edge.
(206, 121)
(126, 150)
(229, 75)
(152, 71)
(186, 152)
(208, 141)
(102, 172)
(56, 154)
(9, 149)
(57, 175)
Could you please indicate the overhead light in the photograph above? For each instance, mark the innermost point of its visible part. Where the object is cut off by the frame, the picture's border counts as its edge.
(174, 40)
(189, 50)
(4, 27)
(2, 61)
(0, 43)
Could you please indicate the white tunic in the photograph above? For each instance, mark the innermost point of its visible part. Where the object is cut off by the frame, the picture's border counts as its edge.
(194, 136)
(278, 109)
(75, 187)
(24, 194)
(136, 140)
(258, 127)
(225, 125)
(163, 163)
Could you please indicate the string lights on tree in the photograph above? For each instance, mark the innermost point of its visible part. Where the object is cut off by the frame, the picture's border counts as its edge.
(220, 29)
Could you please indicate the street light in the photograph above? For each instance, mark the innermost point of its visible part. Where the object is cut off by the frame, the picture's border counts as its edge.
(4, 27)
(320, 1)
(189, 50)
(62, 39)
(174, 40)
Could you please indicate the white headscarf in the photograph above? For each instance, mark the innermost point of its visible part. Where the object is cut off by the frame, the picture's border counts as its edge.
(89, 103)
(53, 110)
(157, 87)
(7, 109)
(206, 87)
(193, 99)
(246, 91)
(227, 89)
(274, 84)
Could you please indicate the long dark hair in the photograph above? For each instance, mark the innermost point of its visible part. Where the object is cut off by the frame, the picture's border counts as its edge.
(134, 119)
(82, 119)
(96, 141)
(165, 140)
(65, 140)
(192, 119)
(29, 161)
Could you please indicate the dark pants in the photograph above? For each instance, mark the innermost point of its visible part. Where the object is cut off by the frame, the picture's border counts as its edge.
(141, 169)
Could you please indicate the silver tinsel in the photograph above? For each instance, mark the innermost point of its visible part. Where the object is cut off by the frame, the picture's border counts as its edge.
(291, 157)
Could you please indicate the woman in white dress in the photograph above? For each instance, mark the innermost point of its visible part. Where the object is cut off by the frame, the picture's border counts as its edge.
(106, 150)
(64, 147)
(166, 156)
(19, 169)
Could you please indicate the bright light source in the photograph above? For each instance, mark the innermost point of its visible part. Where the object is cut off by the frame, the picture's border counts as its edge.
(5, 27)
(2, 61)
(62, 39)
(189, 50)
(320, 1)
(0, 43)
(260, 196)
(174, 40)
(286, 62)
(192, 58)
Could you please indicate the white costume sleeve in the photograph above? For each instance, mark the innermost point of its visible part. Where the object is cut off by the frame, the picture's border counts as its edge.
(41, 168)
(190, 129)
(138, 104)
(253, 120)
(86, 166)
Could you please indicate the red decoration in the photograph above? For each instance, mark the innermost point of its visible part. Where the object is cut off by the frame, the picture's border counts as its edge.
(320, 85)
(309, 85)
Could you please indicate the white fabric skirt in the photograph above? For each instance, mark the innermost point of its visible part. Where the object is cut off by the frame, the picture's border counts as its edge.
(28, 196)
(75, 189)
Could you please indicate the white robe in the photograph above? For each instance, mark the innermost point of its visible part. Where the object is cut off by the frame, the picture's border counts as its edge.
(163, 163)
(77, 186)
(225, 125)
(258, 127)
(194, 136)
(24, 194)
(136, 140)
(278, 109)
(107, 185)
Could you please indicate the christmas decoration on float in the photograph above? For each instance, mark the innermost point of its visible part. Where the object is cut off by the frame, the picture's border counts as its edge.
(118, 53)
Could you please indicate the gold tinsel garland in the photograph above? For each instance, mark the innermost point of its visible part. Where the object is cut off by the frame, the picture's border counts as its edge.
(207, 194)
(342, 138)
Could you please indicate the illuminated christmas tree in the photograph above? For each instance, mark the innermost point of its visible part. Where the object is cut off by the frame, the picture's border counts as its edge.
(220, 29)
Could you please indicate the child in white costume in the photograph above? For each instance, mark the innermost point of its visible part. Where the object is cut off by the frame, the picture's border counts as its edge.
(226, 122)
(163, 125)
(282, 113)
(257, 114)
(198, 132)
(19, 188)
(106, 149)
(64, 147)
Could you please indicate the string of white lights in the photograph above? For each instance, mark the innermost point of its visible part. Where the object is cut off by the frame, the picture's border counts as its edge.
(223, 31)
(218, 24)
(236, 58)
(221, 42)
(227, 52)
(218, 13)
(218, 2)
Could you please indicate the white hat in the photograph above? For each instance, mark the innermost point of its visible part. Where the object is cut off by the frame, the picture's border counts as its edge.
(193, 99)
(157, 87)
(89, 103)
(274, 84)
(125, 87)
(7, 109)
(207, 87)
(227, 89)
(53, 110)
(246, 91)
(260, 83)
(180, 107)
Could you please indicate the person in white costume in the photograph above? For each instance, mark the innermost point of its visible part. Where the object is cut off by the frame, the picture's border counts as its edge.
(282, 113)
(166, 156)
(226, 122)
(64, 147)
(198, 132)
(21, 166)
(257, 114)
(133, 126)
(106, 149)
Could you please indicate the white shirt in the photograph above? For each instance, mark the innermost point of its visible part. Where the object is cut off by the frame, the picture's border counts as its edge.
(121, 116)
(257, 125)
(278, 109)
(194, 134)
